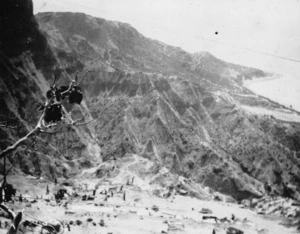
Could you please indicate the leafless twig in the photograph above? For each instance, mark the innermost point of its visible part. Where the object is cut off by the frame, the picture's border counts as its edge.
(10, 213)
(26, 137)
(7, 126)
(15, 218)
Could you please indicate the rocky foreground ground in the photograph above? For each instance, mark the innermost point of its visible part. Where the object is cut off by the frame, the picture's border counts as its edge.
(126, 202)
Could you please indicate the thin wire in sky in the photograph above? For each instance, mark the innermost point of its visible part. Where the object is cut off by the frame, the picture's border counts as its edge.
(128, 19)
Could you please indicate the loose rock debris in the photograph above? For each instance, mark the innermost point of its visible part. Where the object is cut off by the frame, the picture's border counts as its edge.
(86, 211)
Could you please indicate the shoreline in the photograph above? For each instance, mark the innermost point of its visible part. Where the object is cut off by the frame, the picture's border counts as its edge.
(278, 88)
(246, 83)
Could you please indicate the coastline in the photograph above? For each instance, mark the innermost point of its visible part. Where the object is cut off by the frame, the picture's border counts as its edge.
(283, 89)
(247, 83)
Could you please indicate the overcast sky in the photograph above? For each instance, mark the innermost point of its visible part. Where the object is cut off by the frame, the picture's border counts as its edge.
(242, 26)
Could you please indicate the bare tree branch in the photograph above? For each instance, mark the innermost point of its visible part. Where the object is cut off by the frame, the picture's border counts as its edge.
(83, 75)
(15, 218)
(78, 120)
(10, 213)
(85, 123)
(54, 80)
(51, 132)
(41, 125)
(70, 87)
(21, 140)
(7, 126)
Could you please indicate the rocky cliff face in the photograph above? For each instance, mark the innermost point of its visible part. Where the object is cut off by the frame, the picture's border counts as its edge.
(182, 111)
(26, 66)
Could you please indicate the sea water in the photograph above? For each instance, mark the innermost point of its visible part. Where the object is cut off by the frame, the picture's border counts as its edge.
(284, 89)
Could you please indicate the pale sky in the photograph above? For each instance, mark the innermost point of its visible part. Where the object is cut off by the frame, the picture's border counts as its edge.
(267, 26)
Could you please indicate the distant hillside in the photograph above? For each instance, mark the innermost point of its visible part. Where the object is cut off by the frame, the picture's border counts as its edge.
(182, 111)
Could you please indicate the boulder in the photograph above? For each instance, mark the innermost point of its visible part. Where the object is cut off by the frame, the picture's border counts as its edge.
(232, 230)
(155, 208)
(205, 211)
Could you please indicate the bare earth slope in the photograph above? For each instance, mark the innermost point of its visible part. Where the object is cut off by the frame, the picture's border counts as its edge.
(180, 110)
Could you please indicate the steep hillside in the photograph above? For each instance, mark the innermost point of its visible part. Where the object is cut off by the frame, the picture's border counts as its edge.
(179, 110)
(26, 66)
(183, 112)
